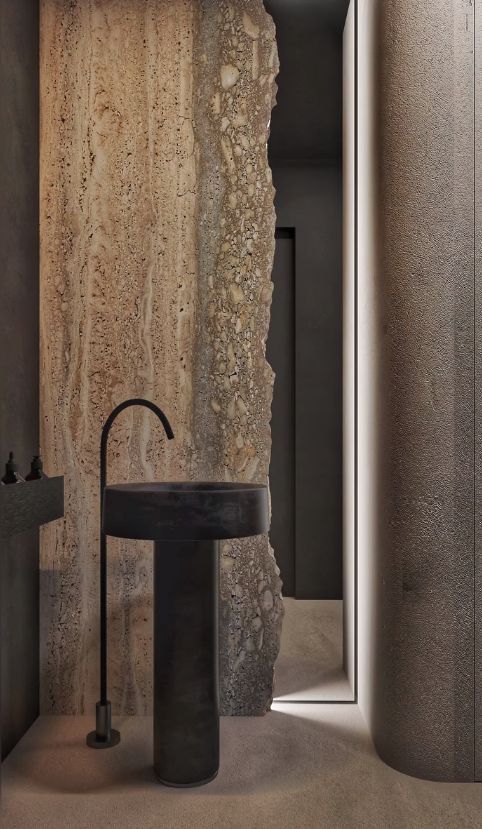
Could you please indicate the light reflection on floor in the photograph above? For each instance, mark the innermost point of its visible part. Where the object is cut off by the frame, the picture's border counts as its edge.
(310, 664)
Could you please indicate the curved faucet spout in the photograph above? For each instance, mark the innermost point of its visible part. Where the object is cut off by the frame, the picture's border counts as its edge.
(104, 735)
(135, 401)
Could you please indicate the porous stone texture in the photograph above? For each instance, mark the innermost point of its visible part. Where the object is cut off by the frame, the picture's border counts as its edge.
(416, 383)
(157, 235)
(232, 378)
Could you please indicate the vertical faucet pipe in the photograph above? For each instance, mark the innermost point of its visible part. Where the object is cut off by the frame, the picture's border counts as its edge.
(104, 736)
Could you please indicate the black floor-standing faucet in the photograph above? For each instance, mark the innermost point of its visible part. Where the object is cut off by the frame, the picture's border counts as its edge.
(104, 735)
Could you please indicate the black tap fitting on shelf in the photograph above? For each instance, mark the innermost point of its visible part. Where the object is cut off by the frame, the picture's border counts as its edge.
(11, 471)
(11, 474)
(36, 469)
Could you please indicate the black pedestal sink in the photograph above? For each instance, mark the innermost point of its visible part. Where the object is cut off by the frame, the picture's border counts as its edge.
(185, 521)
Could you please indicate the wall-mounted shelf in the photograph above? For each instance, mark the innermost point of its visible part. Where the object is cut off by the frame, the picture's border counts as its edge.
(30, 504)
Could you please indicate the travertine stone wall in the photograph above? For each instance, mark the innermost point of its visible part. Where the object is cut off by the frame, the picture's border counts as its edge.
(157, 229)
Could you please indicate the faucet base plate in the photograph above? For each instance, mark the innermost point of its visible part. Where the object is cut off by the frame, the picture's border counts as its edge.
(94, 741)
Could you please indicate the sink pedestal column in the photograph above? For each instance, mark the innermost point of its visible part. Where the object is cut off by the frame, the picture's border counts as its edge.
(186, 662)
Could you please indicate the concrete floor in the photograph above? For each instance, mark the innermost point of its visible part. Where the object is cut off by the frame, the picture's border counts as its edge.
(300, 767)
(310, 662)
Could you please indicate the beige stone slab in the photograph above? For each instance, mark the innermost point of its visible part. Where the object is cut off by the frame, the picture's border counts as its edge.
(157, 228)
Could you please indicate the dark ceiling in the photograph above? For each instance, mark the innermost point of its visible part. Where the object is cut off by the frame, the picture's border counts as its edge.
(306, 123)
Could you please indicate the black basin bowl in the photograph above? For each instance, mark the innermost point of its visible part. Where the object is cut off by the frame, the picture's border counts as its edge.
(185, 510)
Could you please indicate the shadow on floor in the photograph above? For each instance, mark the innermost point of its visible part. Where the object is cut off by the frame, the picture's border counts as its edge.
(258, 754)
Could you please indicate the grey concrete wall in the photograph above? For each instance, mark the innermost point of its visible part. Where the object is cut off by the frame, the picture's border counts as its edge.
(416, 383)
(19, 381)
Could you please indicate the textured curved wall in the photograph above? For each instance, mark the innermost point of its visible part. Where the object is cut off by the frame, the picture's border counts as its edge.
(157, 235)
(478, 386)
(416, 383)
